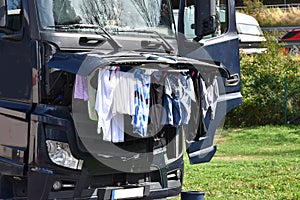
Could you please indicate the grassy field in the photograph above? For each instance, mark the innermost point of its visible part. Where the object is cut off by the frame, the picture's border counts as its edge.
(256, 163)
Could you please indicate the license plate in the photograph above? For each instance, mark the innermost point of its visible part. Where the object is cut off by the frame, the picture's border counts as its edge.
(127, 193)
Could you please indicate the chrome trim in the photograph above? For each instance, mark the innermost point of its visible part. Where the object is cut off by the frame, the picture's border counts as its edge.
(35, 88)
(230, 96)
(233, 80)
(13, 113)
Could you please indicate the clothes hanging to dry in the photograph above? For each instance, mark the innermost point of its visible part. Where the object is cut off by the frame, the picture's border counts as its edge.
(152, 98)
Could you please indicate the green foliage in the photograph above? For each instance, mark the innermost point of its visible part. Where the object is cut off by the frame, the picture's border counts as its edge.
(252, 6)
(264, 80)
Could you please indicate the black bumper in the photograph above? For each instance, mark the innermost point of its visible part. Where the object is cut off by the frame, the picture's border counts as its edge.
(151, 191)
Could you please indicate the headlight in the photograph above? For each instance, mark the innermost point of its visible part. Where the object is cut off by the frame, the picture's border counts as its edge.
(60, 154)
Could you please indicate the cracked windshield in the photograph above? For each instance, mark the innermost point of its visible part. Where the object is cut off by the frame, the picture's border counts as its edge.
(115, 17)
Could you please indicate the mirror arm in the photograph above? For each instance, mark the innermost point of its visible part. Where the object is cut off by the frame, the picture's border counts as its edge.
(198, 38)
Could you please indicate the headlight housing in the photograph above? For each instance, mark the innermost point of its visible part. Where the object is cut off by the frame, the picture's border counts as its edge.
(60, 154)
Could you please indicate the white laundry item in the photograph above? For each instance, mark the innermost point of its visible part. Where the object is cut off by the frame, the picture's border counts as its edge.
(81, 88)
(187, 97)
(112, 127)
(203, 97)
(123, 98)
(212, 97)
(92, 91)
(117, 128)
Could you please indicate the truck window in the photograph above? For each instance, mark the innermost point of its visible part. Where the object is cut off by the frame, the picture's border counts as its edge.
(250, 29)
(88, 16)
(14, 15)
(221, 8)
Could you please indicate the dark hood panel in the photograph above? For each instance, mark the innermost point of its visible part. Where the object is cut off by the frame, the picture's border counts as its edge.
(85, 63)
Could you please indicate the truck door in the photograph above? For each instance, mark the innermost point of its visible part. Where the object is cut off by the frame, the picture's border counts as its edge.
(207, 32)
(15, 86)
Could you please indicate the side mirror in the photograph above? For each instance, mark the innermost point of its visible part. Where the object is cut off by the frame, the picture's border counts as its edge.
(205, 17)
(3, 13)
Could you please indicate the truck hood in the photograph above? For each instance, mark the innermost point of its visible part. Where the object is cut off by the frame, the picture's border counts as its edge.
(85, 63)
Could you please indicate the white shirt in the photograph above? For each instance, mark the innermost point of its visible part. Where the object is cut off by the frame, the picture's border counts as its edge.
(123, 98)
(209, 97)
(112, 125)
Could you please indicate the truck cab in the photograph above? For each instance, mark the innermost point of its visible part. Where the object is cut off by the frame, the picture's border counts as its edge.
(99, 99)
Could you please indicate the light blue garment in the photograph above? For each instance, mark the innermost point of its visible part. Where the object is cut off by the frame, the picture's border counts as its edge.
(141, 101)
(179, 92)
(187, 96)
(173, 111)
(173, 93)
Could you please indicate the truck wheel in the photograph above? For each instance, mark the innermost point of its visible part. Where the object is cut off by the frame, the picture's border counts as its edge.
(6, 187)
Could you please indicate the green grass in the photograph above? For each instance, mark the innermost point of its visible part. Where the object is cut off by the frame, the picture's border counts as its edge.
(256, 163)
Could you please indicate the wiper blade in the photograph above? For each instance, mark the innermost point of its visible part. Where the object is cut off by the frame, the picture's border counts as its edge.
(114, 43)
(67, 26)
(166, 45)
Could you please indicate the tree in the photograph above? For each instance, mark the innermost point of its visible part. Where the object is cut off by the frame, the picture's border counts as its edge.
(64, 13)
(101, 11)
(252, 6)
(148, 10)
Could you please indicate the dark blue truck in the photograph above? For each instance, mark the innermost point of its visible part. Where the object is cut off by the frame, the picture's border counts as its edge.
(51, 146)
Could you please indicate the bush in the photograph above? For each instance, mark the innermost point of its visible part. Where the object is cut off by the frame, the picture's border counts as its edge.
(252, 6)
(264, 77)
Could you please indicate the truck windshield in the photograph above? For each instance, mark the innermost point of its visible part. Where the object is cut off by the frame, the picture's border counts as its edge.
(112, 15)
